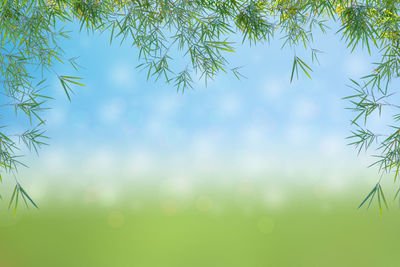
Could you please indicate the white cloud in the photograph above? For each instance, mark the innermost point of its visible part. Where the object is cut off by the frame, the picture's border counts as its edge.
(255, 134)
(55, 161)
(139, 163)
(56, 117)
(122, 76)
(272, 89)
(229, 105)
(356, 66)
(332, 146)
(168, 105)
(252, 163)
(155, 126)
(101, 162)
(85, 41)
(336, 110)
(298, 135)
(205, 149)
(305, 109)
(113, 110)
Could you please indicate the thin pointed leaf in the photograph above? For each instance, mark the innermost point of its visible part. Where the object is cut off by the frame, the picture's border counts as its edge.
(33, 203)
(12, 197)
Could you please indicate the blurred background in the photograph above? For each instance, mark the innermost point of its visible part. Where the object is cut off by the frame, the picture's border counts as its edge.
(250, 172)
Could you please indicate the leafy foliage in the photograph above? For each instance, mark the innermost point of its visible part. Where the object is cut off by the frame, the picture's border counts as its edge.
(201, 30)
(17, 193)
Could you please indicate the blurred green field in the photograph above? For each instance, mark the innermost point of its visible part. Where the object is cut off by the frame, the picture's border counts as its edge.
(209, 230)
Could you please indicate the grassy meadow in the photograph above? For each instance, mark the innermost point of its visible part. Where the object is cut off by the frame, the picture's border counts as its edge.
(211, 227)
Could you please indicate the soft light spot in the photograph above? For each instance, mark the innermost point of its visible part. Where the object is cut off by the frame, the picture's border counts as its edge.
(255, 134)
(57, 117)
(253, 163)
(274, 198)
(101, 162)
(168, 105)
(356, 66)
(229, 106)
(205, 149)
(245, 187)
(113, 110)
(121, 76)
(55, 161)
(298, 135)
(305, 109)
(331, 184)
(272, 89)
(178, 186)
(38, 190)
(138, 164)
(108, 195)
(332, 146)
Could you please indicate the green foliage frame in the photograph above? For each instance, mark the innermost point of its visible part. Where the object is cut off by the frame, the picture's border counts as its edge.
(31, 30)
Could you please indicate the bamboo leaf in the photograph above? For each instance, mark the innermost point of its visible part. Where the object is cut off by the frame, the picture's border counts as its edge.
(12, 197)
(30, 200)
(370, 195)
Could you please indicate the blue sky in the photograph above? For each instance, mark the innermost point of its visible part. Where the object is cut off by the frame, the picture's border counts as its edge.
(122, 125)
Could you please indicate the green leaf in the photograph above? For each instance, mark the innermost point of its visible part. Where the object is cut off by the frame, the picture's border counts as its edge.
(383, 197)
(294, 67)
(370, 195)
(12, 197)
(30, 200)
(16, 201)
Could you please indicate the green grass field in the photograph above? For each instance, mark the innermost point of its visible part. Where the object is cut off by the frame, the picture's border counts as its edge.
(210, 230)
